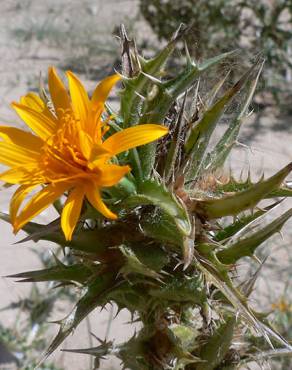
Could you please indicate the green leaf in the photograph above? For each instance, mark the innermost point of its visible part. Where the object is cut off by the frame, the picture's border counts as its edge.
(233, 204)
(133, 98)
(233, 295)
(215, 60)
(214, 351)
(162, 96)
(266, 355)
(79, 273)
(178, 289)
(94, 296)
(137, 87)
(97, 242)
(246, 246)
(105, 348)
(214, 91)
(199, 136)
(133, 265)
(217, 346)
(241, 222)
(151, 255)
(186, 335)
(154, 193)
(129, 296)
(174, 145)
(159, 225)
(283, 191)
(217, 157)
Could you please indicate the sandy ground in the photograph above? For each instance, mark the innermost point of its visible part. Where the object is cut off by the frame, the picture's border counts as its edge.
(29, 43)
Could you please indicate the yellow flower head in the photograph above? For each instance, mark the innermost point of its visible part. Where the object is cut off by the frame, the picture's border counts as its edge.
(67, 151)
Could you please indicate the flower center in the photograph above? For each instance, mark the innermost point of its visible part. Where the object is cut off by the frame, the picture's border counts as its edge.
(62, 155)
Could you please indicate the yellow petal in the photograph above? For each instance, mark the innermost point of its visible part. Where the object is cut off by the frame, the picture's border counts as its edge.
(27, 174)
(34, 102)
(103, 89)
(71, 212)
(94, 197)
(39, 202)
(111, 174)
(17, 199)
(98, 156)
(22, 138)
(85, 143)
(134, 136)
(58, 93)
(15, 155)
(79, 97)
(43, 126)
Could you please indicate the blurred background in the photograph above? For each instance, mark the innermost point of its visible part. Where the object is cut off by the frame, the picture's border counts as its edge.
(82, 36)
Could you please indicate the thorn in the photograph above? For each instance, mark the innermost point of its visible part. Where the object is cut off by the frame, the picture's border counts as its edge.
(281, 235)
(58, 262)
(188, 56)
(140, 96)
(256, 259)
(155, 80)
(98, 339)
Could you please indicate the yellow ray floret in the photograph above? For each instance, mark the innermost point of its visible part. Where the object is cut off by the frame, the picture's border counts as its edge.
(66, 152)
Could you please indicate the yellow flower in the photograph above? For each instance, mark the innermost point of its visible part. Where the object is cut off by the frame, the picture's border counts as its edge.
(282, 306)
(67, 151)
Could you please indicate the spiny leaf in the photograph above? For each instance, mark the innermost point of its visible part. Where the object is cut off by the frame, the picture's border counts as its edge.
(241, 222)
(188, 251)
(166, 92)
(238, 202)
(234, 185)
(133, 265)
(78, 272)
(136, 87)
(246, 246)
(100, 351)
(130, 58)
(174, 145)
(94, 296)
(152, 192)
(159, 225)
(161, 98)
(234, 297)
(154, 65)
(214, 91)
(214, 351)
(151, 255)
(283, 191)
(264, 355)
(217, 157)
(253, 226)
(247, 286)
(97, 241)
(185, 290)
(216, 60)
(199, 136)
(131, 296)
(5, 217)
(39, 232)
(133, 98)
(185, 335)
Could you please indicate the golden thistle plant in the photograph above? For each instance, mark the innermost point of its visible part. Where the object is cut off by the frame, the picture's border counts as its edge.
(145, 221)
